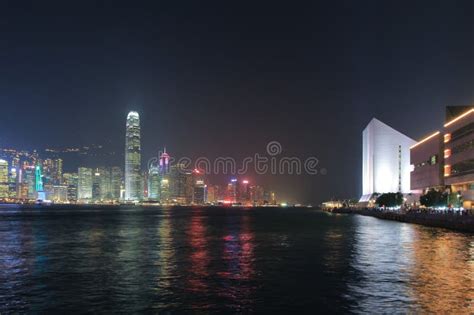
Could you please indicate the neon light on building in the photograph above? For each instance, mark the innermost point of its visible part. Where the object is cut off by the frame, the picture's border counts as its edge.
(38, 179)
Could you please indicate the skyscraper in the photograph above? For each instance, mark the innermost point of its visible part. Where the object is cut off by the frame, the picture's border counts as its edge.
(212, 193)
(199, 195)
(165, 190)
(257, 195)
(40, 193)
(27, 190)
(71, 181)
(97, 186)
(154, 183)
(4, 190)
(59, 193)
(116, 175)
(177, 177)
(105, 183)
(164, 163)
(133, 183)
(84, 186)
(52, 171)
(12, 182)
(232, 190)
(244, 192)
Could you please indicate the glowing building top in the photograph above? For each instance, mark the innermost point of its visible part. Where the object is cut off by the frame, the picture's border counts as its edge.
(164, 163)
(133, 114)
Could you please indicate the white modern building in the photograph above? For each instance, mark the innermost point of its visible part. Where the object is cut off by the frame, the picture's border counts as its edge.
(133, 181)
(385, 160)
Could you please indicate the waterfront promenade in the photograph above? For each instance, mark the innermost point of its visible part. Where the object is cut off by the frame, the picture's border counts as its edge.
(459, 221)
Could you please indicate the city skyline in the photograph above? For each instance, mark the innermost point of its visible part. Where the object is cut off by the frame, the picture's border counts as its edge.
(311, 83)
(30, 177)
(222, 157)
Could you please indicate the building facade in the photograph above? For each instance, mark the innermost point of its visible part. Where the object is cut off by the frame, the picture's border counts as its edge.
(133, 182)
(458, 139)
(116, 179)
(4, 183)
(199, 194)
(232, 191)
(84, 184)
(165, 190)
(385, 160)
(444, 161)
(59, 194)
(257, 195)
(164, 163)
(426, 158)
(177, 184)
(71, 181)
(13, 182)
(154, 183)
(28, 182)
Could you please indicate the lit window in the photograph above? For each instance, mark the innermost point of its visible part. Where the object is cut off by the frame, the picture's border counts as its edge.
(447, 153)
(447, 170)
(447, 137)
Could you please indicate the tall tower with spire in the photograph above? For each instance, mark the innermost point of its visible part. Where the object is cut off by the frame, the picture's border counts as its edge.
(133, 182)
(164, 163)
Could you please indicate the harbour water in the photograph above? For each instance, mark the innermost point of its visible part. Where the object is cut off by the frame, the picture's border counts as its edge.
(228, 260)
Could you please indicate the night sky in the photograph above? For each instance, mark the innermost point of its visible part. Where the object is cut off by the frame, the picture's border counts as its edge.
(226, 78)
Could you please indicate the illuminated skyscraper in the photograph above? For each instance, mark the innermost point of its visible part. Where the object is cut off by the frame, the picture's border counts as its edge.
(165, 190)
(244, 192)
(12, 179)
(52, 171)
(40, 193)
(257, 195)
(178, 179)
(212, 193)
(232, 190)
(154, 183)
(38, 178)
(273, 200)
(59, 193)
(133, 183)
(199, 195)
(28, 183)
(4, 190)
(116, 175)
(97, 185)
(105, 183)
(71, 181)
(164, 163)
(84, 186)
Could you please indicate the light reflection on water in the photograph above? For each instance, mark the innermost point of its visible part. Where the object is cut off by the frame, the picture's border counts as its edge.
(229, 260)
(400, 265)
(442, 277)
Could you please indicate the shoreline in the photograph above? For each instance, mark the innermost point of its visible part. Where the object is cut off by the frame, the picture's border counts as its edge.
(456, 222)
(126, 206)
